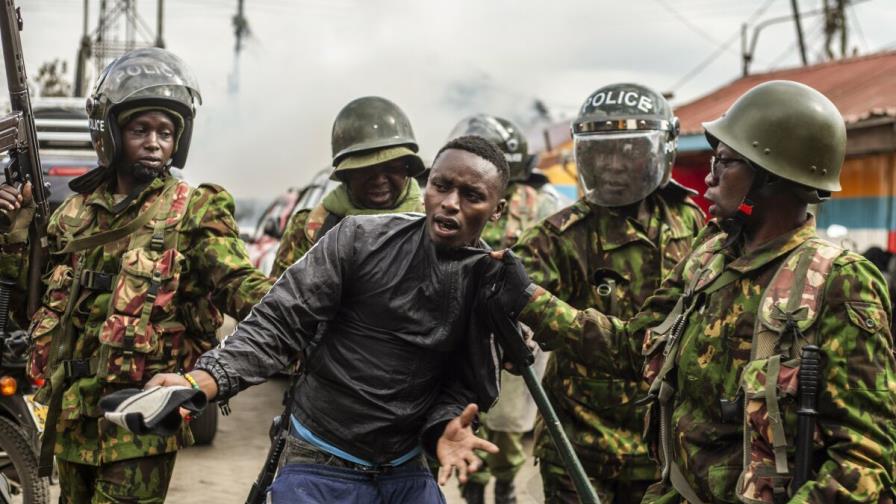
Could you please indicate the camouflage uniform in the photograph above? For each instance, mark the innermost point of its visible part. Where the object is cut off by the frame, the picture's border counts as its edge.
(147, 303)
(302, 229)
(525, 206)
(855, 443)
(590, 256)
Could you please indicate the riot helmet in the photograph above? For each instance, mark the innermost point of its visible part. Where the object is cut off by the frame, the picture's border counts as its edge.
(790, 130)
(143, 78)
(625, 138)
(503, 133)
(373, 130)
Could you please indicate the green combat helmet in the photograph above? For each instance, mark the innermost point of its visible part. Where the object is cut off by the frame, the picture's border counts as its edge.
(788, 129)
(506, 135)
(625, 139)
(149, 77)
(373, 130)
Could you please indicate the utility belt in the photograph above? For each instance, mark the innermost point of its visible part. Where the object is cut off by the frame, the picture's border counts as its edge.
(305, 447)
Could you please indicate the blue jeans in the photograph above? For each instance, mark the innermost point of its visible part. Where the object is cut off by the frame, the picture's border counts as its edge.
(313, 477)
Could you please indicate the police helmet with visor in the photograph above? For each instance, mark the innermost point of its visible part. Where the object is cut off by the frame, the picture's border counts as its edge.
(143, 79)
(625, 139)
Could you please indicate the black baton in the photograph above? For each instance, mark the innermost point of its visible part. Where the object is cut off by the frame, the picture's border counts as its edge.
(809, 380)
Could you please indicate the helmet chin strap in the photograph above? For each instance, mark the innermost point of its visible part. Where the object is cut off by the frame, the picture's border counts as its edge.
(734, 225)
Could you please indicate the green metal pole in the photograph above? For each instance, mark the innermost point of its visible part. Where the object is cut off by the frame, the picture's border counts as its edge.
(583, 487)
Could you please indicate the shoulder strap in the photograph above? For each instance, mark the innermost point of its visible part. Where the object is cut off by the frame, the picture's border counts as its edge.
(329, 223)
(792, 300)
(101, 238)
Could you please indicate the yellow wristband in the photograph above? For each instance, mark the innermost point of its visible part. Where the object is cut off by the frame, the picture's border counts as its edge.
(192, 381)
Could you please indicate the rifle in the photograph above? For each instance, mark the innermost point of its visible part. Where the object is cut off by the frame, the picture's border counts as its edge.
(278, 434)
(508, 334)
(18, 136)
(809, 377)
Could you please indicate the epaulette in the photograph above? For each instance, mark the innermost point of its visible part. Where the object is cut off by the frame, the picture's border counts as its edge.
(673, 190)
(315, 220)
(215, 188)
(566, 217)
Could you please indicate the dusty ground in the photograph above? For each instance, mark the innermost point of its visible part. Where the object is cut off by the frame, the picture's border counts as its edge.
(224, 472)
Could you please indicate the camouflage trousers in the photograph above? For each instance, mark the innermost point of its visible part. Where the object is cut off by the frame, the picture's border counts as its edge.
(559, 488)
(134, 481)
(502, 465)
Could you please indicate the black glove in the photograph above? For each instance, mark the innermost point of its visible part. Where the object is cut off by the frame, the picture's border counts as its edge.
(512, 290)
(152, 411)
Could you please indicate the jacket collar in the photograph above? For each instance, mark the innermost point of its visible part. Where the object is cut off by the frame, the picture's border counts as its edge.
(613, 236)
(104, 198)
(773, 249)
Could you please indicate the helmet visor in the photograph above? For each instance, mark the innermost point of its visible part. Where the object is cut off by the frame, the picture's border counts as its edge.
(622, 168)
(150, 74)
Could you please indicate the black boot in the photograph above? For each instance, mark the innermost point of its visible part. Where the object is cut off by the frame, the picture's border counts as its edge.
(505, 492)
(473, 493)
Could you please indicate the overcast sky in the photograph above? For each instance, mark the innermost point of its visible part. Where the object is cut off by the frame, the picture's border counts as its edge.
(439, 60)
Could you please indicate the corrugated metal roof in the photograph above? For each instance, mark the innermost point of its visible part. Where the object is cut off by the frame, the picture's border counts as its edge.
(861, 87)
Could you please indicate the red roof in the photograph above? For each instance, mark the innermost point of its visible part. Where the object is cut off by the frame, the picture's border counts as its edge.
(861, 87)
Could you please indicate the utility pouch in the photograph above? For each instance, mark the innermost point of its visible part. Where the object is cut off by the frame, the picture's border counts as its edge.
(140, 309)
(770, 389)
(46, 323)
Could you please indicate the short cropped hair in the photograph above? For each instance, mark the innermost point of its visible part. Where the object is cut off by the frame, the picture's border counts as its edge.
(484, 149)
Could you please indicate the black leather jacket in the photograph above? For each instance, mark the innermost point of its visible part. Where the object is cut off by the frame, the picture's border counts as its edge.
(399, 350)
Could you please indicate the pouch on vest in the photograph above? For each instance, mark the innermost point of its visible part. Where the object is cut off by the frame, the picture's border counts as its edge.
(140, 309)
(770, 389)
(45, 326)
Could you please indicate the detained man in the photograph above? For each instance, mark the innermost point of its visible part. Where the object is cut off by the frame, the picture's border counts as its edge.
(400, 361)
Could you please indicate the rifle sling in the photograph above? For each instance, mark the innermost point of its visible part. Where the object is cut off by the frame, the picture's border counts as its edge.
(104, 237)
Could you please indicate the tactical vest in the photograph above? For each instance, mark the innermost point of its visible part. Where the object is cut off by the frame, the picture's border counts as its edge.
(788, 310)
(142, 332)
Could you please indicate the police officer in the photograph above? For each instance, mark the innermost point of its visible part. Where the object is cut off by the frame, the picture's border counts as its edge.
(375, 158)
(514, 414)
(609, 250)
(760, 319)
(141, 267)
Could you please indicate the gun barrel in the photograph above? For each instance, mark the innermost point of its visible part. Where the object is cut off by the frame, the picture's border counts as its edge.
(26, 155)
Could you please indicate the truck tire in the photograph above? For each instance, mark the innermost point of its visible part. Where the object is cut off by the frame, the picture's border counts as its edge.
(206, 426)
(18, 462)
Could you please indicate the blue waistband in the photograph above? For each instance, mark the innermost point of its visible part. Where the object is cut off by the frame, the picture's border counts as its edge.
(310, 437)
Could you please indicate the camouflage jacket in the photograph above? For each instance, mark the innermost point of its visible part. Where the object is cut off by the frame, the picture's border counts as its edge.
(855, 443)
(525, 206)
(303, 227)
(148, 302)
(590, 256)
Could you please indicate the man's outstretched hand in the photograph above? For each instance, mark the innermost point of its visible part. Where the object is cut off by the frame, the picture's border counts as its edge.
(455, 448)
